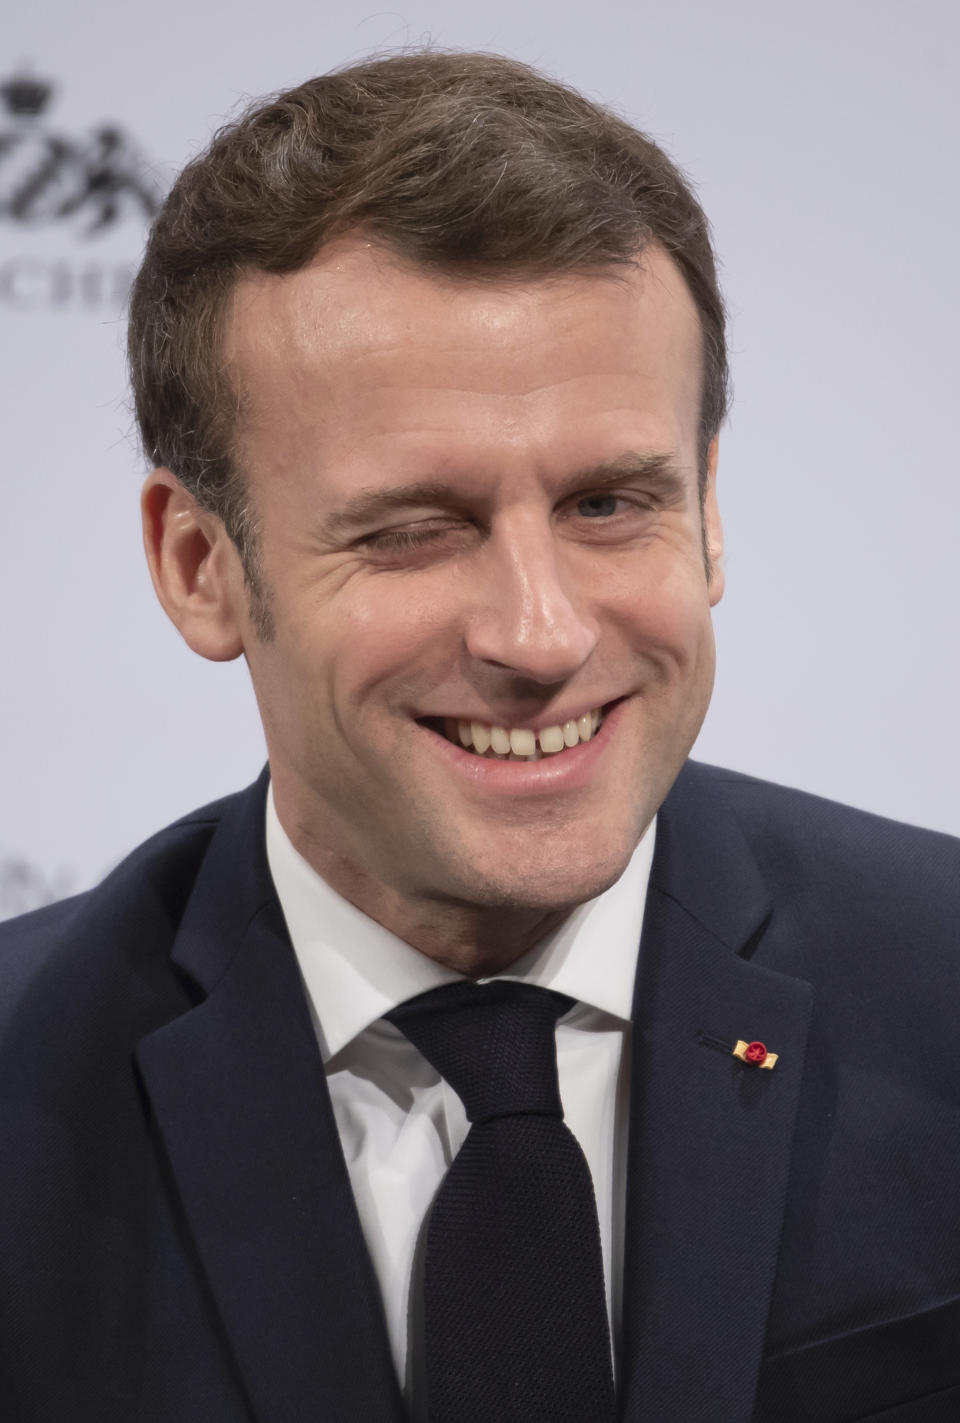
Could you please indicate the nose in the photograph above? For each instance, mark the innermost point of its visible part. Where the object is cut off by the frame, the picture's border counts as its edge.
(528, 614)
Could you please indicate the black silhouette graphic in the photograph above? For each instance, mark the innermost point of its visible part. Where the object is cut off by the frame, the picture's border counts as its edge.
(24, 886)
(47, 178)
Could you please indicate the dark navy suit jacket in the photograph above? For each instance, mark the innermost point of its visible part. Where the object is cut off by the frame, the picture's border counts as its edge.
(178, 1239)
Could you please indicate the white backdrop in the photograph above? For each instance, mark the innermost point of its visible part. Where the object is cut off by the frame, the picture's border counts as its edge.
(822, 139)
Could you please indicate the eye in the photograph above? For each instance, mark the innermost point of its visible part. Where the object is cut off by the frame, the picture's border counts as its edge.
(609, 506)
(600, 504)
(597, 508)
(399, 539)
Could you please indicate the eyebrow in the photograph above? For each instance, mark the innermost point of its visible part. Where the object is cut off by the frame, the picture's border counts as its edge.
(659, 471)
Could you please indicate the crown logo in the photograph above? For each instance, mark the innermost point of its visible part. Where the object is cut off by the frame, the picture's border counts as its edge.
(25, 96)
(51, 177)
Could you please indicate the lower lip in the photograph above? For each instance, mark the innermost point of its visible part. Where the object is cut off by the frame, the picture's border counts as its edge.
(567, 770)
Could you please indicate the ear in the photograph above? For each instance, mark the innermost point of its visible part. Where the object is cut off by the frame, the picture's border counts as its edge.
(712, 527)
(195, 568)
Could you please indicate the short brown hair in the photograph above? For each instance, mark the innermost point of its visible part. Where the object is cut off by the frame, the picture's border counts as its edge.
(466, 163)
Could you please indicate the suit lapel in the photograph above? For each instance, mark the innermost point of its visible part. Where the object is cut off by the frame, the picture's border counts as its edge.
(240, 1098)
(239, 1093)
(710, 1138)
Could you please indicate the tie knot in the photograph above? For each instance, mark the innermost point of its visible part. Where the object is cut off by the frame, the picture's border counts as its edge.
(493, 1042)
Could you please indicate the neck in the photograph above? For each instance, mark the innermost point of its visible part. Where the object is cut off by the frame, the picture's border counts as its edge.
(473, 944)
(473, 939)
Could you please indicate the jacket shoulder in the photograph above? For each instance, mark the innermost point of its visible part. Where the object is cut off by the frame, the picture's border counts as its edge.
(129, 919)
(889, 891)
(815, 834)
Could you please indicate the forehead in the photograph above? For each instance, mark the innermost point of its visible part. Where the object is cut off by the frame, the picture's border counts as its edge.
(361, 344)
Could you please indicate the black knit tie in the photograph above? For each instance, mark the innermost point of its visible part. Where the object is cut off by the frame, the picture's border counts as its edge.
(515, 1316)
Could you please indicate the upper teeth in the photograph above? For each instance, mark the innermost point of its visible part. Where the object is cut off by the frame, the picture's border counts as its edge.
(521, 741)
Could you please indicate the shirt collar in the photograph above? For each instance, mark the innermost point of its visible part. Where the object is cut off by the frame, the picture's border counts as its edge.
(356, 971)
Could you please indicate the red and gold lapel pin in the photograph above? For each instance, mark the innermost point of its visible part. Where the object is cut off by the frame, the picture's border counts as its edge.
(755, 1054)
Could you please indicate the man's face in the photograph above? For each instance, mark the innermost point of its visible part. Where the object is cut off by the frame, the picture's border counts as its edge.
(550, 564)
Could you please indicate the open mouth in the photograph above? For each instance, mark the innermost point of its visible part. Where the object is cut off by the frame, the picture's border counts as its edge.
(504, 743)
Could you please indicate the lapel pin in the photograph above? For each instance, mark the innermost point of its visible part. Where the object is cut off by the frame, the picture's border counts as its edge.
(755, 1054)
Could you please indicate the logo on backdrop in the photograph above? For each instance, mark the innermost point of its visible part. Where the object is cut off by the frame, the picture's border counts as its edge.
(75, 190)
(25, 886)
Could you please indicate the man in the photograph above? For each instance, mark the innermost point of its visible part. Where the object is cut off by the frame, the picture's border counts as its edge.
(428, 358)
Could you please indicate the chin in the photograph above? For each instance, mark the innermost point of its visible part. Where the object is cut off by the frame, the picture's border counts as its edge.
(550, 886)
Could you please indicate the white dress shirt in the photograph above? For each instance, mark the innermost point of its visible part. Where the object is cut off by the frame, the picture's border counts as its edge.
(400, 1124)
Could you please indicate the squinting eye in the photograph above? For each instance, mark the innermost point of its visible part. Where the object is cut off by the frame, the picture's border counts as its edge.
(601, 506)
(401, 538)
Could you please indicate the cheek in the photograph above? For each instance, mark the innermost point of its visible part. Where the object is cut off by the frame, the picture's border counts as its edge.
(666, 612)
(387, 625)
(406, 608)
(374, 650)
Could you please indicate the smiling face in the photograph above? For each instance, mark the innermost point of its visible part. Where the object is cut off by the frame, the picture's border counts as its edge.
(539, 555)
